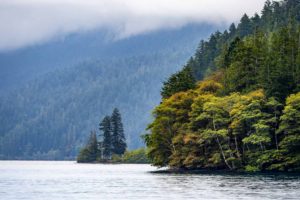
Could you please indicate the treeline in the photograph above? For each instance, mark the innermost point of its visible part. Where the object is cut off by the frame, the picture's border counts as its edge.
(245, 115)
(274, 16)
(50, 117)
(137, 156)
(202, 129)
(112, 142)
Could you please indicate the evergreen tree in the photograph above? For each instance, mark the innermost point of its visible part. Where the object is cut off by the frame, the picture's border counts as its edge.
(280, 65)
(232, 30)
(105, 127)
(244, 28)
(118, 137)
(180, 81)
(255, 20)
(90, 152)
(267, 15)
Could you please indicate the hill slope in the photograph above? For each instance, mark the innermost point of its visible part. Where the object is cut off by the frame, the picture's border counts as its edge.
(54, 94)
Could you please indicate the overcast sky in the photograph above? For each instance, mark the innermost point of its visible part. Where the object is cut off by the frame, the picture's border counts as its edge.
(26, 22)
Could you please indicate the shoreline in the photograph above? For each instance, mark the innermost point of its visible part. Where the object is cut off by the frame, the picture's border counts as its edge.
(223, 172)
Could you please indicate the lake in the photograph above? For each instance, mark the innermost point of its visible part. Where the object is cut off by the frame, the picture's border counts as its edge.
(53, 180)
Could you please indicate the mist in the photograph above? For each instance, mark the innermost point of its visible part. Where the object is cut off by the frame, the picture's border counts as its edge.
(31, 22)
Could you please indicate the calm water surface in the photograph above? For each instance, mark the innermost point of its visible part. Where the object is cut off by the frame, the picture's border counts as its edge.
(45, 180)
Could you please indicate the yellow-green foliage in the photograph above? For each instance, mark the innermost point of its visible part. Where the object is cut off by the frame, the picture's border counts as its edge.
(200, 129)
(235, 117)
(135, 156)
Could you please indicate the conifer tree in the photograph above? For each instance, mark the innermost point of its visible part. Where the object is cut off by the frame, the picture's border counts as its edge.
(180, 81)
(118, 137)
(244, 28)
(90, 152)
(232, 30)
(105, 127)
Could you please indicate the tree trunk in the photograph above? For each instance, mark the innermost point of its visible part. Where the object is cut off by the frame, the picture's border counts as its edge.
(275, 135)
(236, 147)
(222, 152)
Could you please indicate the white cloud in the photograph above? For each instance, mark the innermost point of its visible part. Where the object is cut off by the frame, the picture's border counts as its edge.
(26, 22)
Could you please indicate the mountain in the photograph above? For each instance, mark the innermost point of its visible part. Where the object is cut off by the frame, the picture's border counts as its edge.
(53, 94)
(19, 66)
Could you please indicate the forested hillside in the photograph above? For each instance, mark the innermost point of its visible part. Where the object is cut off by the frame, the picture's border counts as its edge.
(22, 65)
(63, 90)
(244, 111)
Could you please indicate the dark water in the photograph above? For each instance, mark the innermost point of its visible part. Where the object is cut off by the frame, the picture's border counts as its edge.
(45, 180)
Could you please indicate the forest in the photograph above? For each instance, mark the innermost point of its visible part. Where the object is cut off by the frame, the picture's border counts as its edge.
(56, 93)
(235, 105)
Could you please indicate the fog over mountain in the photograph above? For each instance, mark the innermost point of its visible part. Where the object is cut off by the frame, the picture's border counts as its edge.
(30, 22)
(64, 65)
(54, 94)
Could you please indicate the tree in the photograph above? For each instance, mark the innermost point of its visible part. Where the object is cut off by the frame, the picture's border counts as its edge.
(243, 62)
(245, 27)
(118, 137)
(267, 21)
(216, 120)
(178, 82)
(281, 65)
(171, 117)
(105, 127)
(290, 124)
(90, 152)
(239, 124)
(232, 30)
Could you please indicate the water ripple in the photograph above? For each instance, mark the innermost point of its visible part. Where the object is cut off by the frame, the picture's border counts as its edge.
(50, 180)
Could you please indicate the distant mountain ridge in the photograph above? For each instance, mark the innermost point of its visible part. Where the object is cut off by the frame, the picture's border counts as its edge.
(53, 94)
(19, 66)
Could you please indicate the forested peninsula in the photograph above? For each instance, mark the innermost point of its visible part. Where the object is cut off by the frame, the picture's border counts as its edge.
(235, 105)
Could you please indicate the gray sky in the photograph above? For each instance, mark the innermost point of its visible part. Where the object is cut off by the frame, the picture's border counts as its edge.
(27, 22)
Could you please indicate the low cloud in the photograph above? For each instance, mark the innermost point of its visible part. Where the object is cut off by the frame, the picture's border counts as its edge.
(27, 22)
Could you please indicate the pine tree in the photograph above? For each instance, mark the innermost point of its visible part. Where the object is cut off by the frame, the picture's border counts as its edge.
(90, 152)
(105, 127)
(180, 81)
(93, 146)
(118, 137)
(244, 28)
(267, 21)
(232, 30)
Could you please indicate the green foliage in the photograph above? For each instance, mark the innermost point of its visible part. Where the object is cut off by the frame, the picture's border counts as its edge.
(135, 156)
(170, 116)
(290, 123)
(199, 129)
(245, 26)
(90, 152)
(289, 130)
(180, 81)
(112, 144)
(236, 118)
(250, 168)
(106, 144)
(118, 137)
(260, 52)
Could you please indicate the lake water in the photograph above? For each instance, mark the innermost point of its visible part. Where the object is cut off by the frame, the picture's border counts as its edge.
(51, 180)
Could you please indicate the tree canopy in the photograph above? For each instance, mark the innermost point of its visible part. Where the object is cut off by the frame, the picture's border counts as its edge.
(244, 111)
(112, 140)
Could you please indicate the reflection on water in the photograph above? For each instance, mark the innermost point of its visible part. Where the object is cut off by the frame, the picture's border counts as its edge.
(68, 180)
